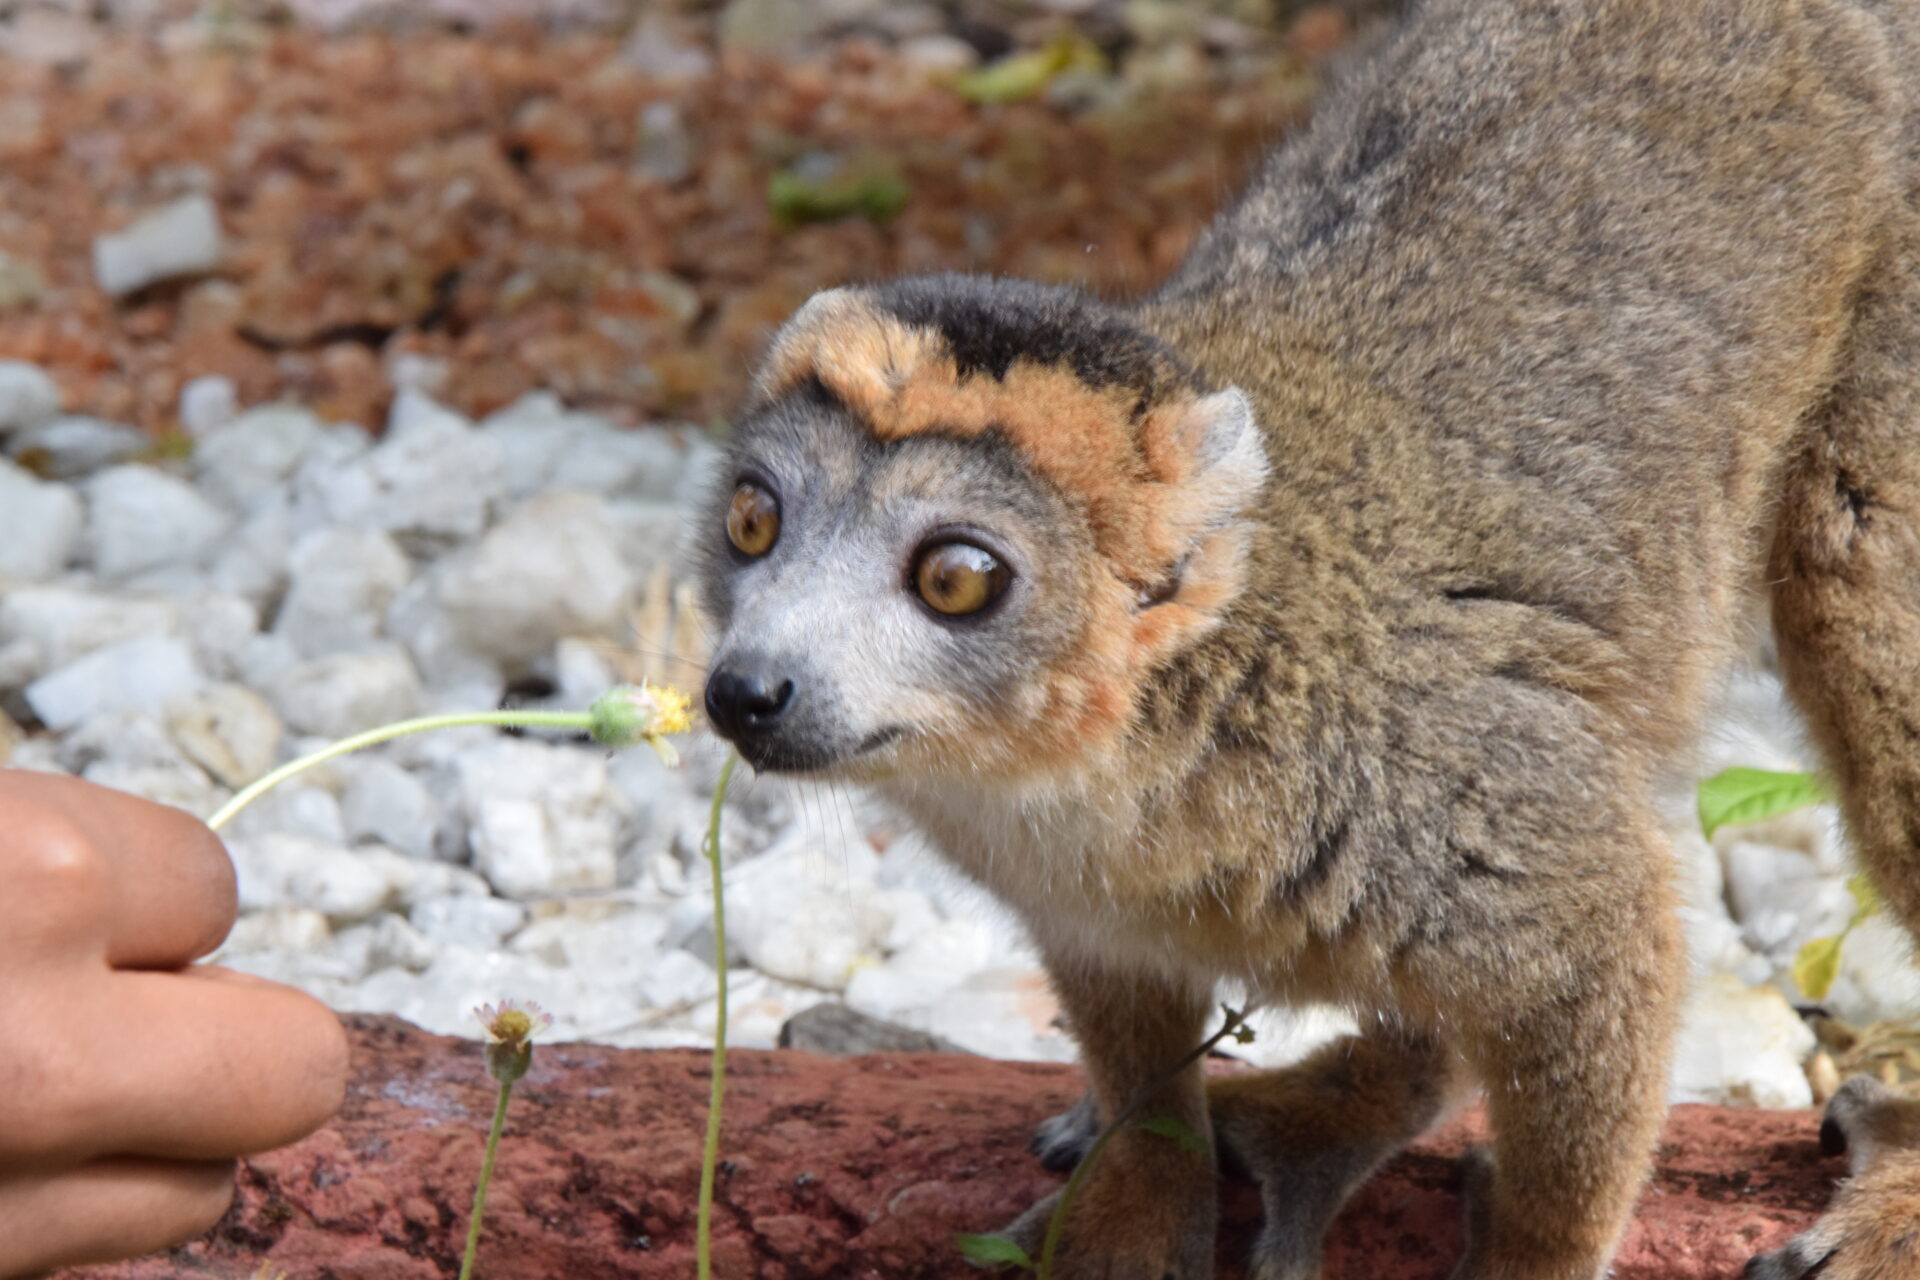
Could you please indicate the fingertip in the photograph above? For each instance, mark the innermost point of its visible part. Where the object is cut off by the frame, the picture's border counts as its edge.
(206, 1194)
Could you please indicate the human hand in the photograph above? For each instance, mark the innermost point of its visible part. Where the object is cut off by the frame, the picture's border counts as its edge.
(131, 1078)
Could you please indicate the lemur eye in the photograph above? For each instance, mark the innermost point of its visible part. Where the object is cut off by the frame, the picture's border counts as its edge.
(753, 519)
(959, 578)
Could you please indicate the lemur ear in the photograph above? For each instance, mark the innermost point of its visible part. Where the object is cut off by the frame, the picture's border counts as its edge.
(1227, 455)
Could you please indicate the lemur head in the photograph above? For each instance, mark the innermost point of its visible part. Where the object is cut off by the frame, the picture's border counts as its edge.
(960, 522)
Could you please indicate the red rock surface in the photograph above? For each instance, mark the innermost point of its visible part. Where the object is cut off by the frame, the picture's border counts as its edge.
(860, 1167)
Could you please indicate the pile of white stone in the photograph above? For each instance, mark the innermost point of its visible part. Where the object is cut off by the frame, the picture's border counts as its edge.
(176, 628)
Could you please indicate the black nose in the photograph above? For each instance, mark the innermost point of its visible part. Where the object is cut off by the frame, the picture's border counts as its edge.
(741, 703)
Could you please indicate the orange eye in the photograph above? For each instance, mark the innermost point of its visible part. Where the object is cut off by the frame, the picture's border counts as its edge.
(753, 520)
(958, 578)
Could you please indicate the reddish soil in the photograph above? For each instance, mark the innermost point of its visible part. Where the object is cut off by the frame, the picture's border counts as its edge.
(489, 201)
(858, 1167)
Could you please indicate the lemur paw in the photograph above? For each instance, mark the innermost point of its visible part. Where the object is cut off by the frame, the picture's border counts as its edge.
(1871, 1231)
(1137, 1217)
(1061, 1141)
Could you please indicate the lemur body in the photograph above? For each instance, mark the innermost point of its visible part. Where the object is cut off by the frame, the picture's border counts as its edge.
(1323, 622)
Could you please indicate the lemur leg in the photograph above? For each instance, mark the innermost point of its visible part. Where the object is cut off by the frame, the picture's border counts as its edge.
(1149, 1206)
(1871, 1231)
(1310, 1134)
(1574, 1057)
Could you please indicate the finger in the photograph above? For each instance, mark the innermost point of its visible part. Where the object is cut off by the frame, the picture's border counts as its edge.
(203, 1064)
(115, 1208)
(159, 882)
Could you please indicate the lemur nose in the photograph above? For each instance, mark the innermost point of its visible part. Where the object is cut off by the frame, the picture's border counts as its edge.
(740, 703)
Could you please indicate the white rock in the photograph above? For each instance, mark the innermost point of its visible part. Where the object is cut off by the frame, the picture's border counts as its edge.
(20, 663)
(432, 478)
(454, 672)
(219, 627)
(28, 396)
(255, 452)
(141, 518)
(645, 464)
(482, 923)
(552, 568)
(347, 692)
(278, 929)
(252, 563)
(1741, 1045)
(907, 987)
(387, 941)
(183, 238)
(265, 659)
(180, 786)
(530, 434)
(542, 818)
(619, 951)
(122, 736)
(1002, 1013)
(310, 812)
(39, 526)
(67, 623)
(280, 870)
(228, 730)
(1756, 873)
(581, 671)
(384, 802)
(1878, 981)
(419, 879)
(809, 918)
(208, 403)
(675, 979)
(141, 675)
(341, 582)
(74, 445)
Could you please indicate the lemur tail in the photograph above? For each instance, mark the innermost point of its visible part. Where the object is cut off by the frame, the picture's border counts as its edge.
(1845, 571)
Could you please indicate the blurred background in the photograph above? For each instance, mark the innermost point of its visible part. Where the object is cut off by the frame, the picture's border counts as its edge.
(361, 358)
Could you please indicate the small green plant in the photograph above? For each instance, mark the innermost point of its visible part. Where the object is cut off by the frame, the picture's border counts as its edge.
(510, 1031)
(1741, 795)
(1026, 75)
(620, 718)
(710, 1152)
(998, 1250)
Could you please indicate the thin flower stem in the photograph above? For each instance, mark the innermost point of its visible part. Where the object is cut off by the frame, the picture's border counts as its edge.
(710, 1157)
(1057, 1223)
(386, 732)
(486, 1176)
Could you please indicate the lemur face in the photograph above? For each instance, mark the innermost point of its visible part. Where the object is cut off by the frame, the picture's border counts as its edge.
(960, 522)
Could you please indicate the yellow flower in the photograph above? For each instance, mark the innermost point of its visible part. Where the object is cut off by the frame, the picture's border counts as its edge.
(511, 1026)
(643, 713)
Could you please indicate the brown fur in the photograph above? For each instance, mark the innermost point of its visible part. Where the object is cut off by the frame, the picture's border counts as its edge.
(1561, 314)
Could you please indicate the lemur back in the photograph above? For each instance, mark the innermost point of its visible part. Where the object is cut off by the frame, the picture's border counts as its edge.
(1322, 621)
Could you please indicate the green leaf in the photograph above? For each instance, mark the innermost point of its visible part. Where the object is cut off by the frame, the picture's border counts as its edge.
(993, 1251)
(875, 192)
(1024, 75)
(1179, 1130)
(1817, 965)
(1741, 795)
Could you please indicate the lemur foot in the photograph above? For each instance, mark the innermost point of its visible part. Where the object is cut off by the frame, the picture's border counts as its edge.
(1147, 1211)
(1062, 1141)
(1871, 1231)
